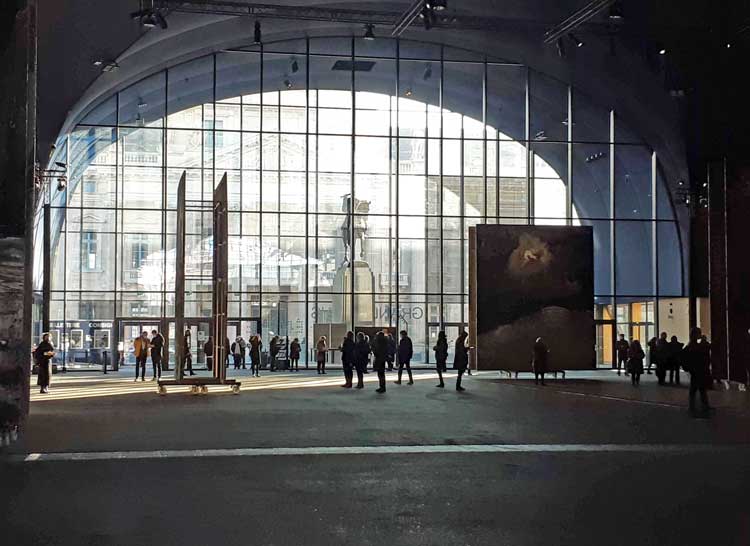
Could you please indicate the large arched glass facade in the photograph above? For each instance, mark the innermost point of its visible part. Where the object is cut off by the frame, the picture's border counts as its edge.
(428, 140)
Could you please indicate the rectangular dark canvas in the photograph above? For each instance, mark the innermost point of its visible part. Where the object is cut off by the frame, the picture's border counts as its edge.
(530, 282)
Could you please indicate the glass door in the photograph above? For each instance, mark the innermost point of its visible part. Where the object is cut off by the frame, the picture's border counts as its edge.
(128, 331)
(200, 330)
(605, 343)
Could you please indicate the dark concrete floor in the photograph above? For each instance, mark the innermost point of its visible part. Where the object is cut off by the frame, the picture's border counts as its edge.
(607, 498)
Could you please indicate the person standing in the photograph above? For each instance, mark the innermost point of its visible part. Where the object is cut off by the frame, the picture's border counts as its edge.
(651, 353)
(675, 349)
(243, 351)
(255, 345)
(347, 359)
(405, 354)
(274, 351)
(392, 350)
(662, 356)
(361, 356)
(540, 355)
(208, 350)
(380, 356)
(295, 349)
(710, 383)
(461, 358)
(622, 346)
(187, 357)
(140, 350)
(43, 357)
(321, 350)
(635, 362)
(441, 356)
(696, 360)
(157, 346)
(236, 353)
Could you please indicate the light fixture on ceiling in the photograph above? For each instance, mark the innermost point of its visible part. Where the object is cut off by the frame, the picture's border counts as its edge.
(428, 15)
(575, 40)
(150, 18)
(257, 36)
(662, 51)
(106, 66)
(596, 157)
(408, 92)
(560, 48)
(294, 66)
(540, 135)
(439, 5)
(729, 45)
(615, 12)
(142, 103)
(369, 32)
(287, 83)
(427, 72)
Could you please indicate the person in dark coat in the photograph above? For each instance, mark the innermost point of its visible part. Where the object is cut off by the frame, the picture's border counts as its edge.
(348, 358)
(461, 358)
(635, 362)
(140, 351)
(675, 349)
(441, 356)
(187, 357)
(392, 350)
(236, 353)
(157, 346)
(651, 353)
(540, 359)
(208, 350)
(696, 360)
(274, 348)
(405, 354)
(43, 356)
(295, 349)
(622, 346)
(361, 356)
(662, 358)
(380, 354)
(255, 344)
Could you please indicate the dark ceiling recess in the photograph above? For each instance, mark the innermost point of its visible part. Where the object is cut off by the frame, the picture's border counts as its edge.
(357, 66)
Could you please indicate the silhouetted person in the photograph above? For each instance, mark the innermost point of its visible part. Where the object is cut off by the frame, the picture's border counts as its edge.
(651, 353)
(461, 358)
(405, 353)
(380, 355)
(361, 357)
(255, 344)
(43, 356)
(441, 356)
(540, 360)
(675, 350)
(696, 360)
(392, 350)
(243, 351)
(236, 353)
(622, 346)
(704, 339)
(140, 350)
(321, 350)
(348, 358)
(274, 348)
(187, 357)
(662, 357)
(157, 346)
(635, 362)
(294, 351)
(208, 350)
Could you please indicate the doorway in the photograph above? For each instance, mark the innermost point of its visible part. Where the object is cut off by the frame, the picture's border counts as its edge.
(128, 330)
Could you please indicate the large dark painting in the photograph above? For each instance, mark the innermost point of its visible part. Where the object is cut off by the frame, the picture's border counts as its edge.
(528, 282)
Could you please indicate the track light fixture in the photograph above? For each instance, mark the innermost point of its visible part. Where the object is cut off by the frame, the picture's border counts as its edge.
(615, 12)
(150, 18)
(257, 36)
(294, 66)
(575, 40)
(369, 32)
(439, 5)
(287, 83)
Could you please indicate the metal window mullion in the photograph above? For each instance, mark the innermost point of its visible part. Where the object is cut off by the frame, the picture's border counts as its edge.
(654, 244)
(569, 185)
(484, 137)
(441, 315)
(612, 204)
(241, 299)
(398, 174)
(164, 203)
(462, 212)
(260, 197)
(527, 137)
(278, 206)
(427, 223)
(117, 200)
(307, 197)
(351, 182)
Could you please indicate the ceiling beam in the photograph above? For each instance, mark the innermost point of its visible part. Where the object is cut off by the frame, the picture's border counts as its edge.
(576, 20)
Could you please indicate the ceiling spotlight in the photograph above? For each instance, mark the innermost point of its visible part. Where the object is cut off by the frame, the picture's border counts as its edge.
(427, 15)
(439, 5)
(615, 12)
(287, 83)
(369, 32)
(150, 18)
(408, 92)
(541, 135)
(142, 103)
(257, 37)
(575, 40)
(295, 66)
(560, 47)
(106, 66)
(662, 51)
(729, 45)
(427, 72)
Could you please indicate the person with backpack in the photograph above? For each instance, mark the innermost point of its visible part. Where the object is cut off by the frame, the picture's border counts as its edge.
(441, 357)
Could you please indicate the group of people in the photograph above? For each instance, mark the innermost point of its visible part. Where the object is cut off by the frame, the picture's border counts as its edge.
(143, 347)
(383, 351)
(668, 357)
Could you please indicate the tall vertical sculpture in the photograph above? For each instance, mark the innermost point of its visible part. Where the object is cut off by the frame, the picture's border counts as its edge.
(179, 284)
(221, 279)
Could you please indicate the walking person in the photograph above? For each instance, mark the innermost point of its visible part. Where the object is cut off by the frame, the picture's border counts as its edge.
(347, 359)
(635, 362)
(405, 354)
(441, 357)
(361, 357)
(696, 360)
(275, 347)
(392, 350)
(622, 346)
(662, 356)
(380, 356)
(675, 349)
(208, 350)
(321, 350)
(236, 353)
(461, 358)
(187, 357)
(255, 345)
(157, 346)
(295, 349)
(540, 358)
(43, 357)
(140, 350)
